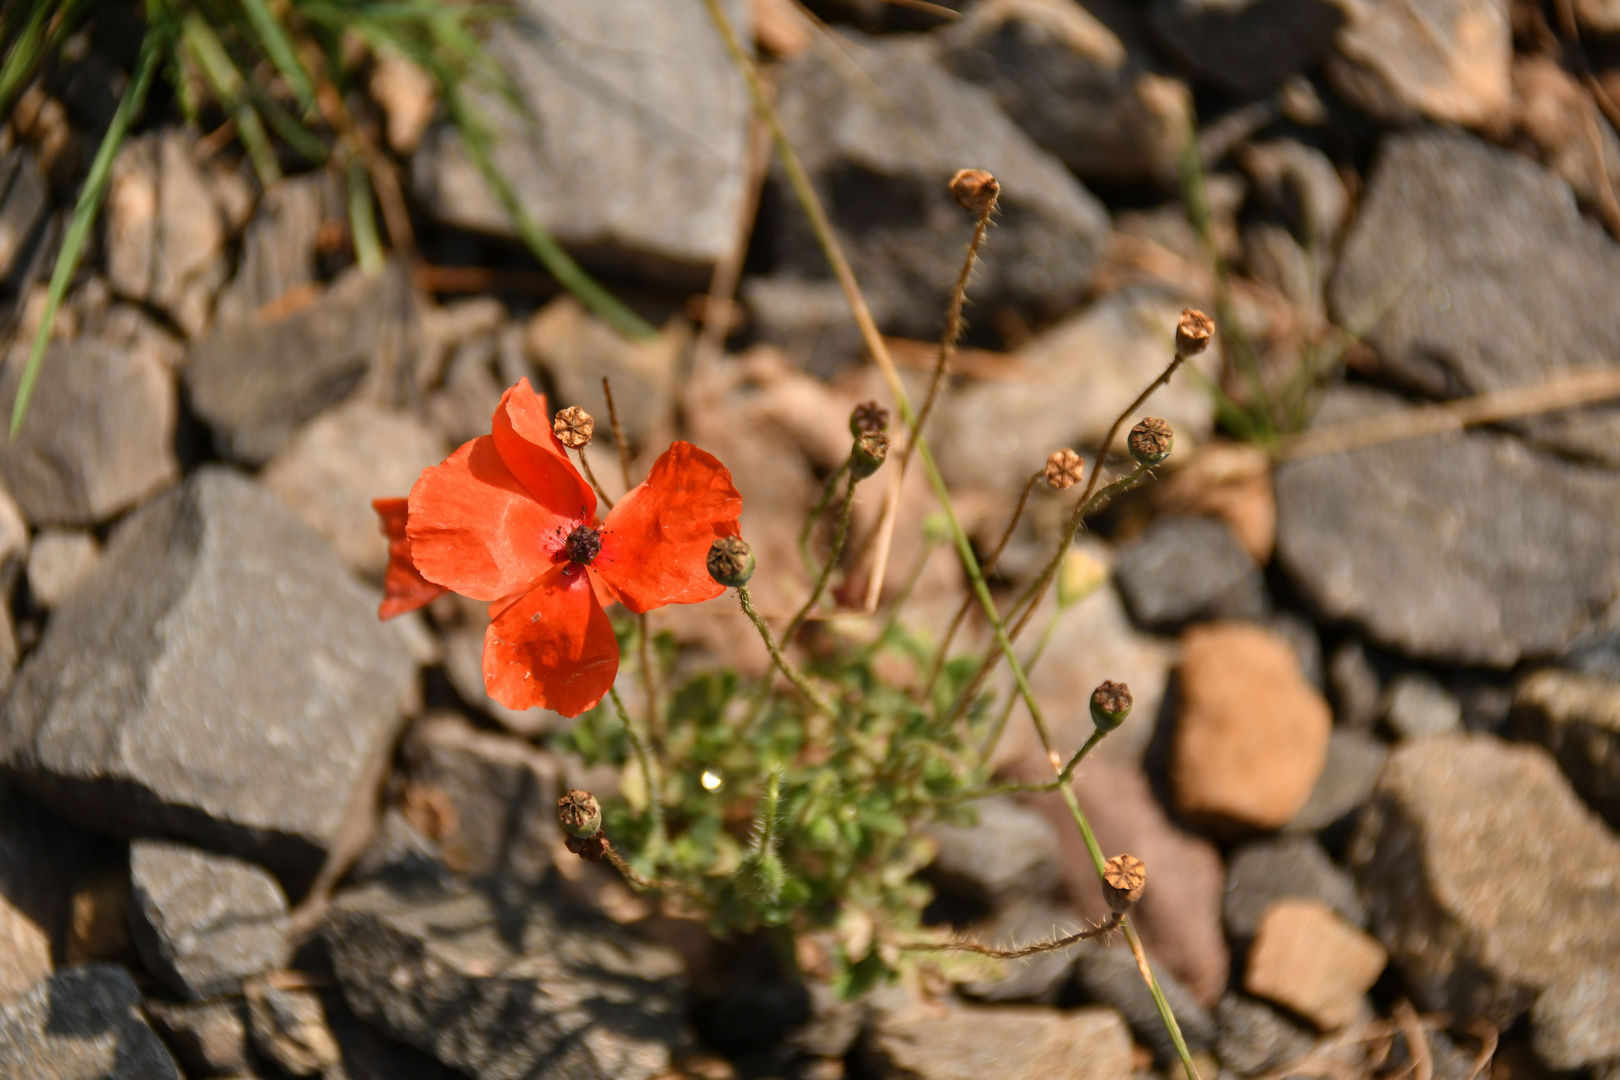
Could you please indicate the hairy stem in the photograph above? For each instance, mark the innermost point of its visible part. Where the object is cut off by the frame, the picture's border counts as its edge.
(816, 511)
(649, 773)
(794, 675)
(953, 329)
(1106, 927)
(840, 538)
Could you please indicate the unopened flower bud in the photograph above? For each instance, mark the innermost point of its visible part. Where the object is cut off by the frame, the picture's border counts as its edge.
(1110, 705)
(579, 814)
(1124, 878)
(868, 416)
(868, 454)
(1151, 441)
(974, 190)
(573, 427)
(1193, 332)
(1064, 468)
(731, 561)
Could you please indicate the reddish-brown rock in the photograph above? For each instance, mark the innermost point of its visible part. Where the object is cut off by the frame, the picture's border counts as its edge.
(1307, 958)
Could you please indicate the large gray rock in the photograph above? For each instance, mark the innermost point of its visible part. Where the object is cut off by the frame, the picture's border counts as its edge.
(952, 1042)
(1109, 976)
(1267, 870)
(1495, 890)
(1183, 568)
(279, 245)
(204, 922)
(881, 155)
(23, 199)
(82, 1024)
(1246, 47)
(1487, 278)
(1471, 548)
(506, 986)
(220, 678)
(1577, 717)
(1252, 1037)
(621, 99)
(257, 379)
(208, 1039)
(99, 432)
(1010, 851)
(1354, 760)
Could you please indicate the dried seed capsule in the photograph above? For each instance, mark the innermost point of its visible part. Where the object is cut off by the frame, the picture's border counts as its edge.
(1124, 878)
(731, 561)
(868, 416)
(579, 814)
(1064, 468)
(1193, 332)
(868, 454)
(974, 190)
(1110, 705)
(573, 427)
(1151, 441)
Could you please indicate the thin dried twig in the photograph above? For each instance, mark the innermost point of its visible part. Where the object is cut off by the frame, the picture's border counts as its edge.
(1107, 926)
(1417, 1043)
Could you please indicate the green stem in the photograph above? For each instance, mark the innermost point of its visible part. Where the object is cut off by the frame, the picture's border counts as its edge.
(839, 540)
(827, 490)
(649, 775)
(1166, 1015)
(1012, 700)
(793, 674)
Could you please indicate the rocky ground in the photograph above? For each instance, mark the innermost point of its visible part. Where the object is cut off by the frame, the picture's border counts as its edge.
(1374, 766)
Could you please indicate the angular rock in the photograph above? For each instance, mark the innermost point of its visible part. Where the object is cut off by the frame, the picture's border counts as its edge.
(642, 92)
(946, 1042)
(1109, 976)
(1248, 47)
(244, 697)
(881, 163)
(1354, 761)
(1417, 706)
(1251, 734)
(1488, 278)
(1268, 870)
(1577, 718)
(1252, 1037)
(82, 1024)
(23, 200)
(578, 350)
(58, 563)
(207, 1039)
(1494, 889)
(1186, 568)
(13, 531)
(1011, 851)
(338, 462)
(1081, 89)
(99, 432)
(289, 1028)
(257, 379)
(504, 989)
(1307, 958)
(368, 1054)
(1466, 548)
(1354, 685)
(1040, 976)
(278, 248)
(809, 320)
(1447, 60)
(204, 922)
(501, 794)
(40, 857)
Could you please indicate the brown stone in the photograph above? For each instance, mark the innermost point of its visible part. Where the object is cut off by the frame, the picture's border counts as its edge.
(1309, 959)
(941, 1042)
(1251, 733)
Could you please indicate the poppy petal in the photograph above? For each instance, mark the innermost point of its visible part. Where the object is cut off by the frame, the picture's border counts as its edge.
(404, 590)
(523, 436)
(553, 649)
(655, 541)
(474, 528)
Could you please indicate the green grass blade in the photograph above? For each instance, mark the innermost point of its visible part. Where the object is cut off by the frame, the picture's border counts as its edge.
(89, 204)
(273, 36)
(25, 50)
(362, 221)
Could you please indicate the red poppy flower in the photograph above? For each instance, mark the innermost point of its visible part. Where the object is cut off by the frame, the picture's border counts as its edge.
(509, 520)
(404, 590)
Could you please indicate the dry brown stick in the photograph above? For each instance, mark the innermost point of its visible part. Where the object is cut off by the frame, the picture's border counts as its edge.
(1568, 391)
(1107, 926)
(618, 432)
(1417, 1043)
(585, 467)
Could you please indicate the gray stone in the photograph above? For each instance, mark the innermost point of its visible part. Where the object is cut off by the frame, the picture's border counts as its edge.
(1039, 977)
(1267, 870)
(289, 1028)
(1577, 718)
(1109, 976)
(40, 858)
(501, 793)
(400, 852)
(809, 320)
(1494, 890)
(620, 98)
(203, 922)
(954, 1042)
(23, 199)
(278, 248)
(1186, 568)
(208, 1039)
(1487, 278)
(1469, 548)
(220, 678)
(99, 432)
(881, 149)
(1417, 706)
(1246, 47)
(1252, 1037)
(1354, 685)
(1081, 88)
(58, 563)
(255, 380)
(505, 986)
(1448, 60)
(82, 1024)
(368, 1054)
(1010, 851)
(1354, 760)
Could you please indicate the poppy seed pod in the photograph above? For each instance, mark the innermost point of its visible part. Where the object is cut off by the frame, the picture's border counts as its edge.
(1110, 705)
(731, 561)
(579, 813)
(1193, 332)
(1151, 441)
(573, 427)
(974, 190)
(868, 454)
(867, 417)
(1064, 469)
(1124, 879)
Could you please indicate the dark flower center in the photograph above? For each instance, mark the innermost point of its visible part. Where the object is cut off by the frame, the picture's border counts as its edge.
(583, 544)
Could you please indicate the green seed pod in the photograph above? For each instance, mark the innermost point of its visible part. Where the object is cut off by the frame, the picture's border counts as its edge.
(579, 813)
(731, 561)
(868, 454)
(1110, 705)
(1151, 441)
